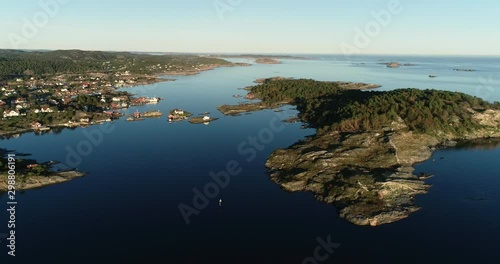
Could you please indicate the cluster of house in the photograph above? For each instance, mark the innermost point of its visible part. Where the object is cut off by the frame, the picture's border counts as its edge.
(176, 114)
(19, 104)
(59, 90)
(117, 102)
(11, 113)
(144, 100)
(8, 92)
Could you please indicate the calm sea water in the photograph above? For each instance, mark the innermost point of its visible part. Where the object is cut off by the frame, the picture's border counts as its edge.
(126, 209)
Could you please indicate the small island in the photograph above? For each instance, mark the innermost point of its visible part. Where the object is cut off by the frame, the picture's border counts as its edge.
(267, 61)
(137, 116)
(152, 114)
(202, 120)
(367, 142)
(465, 70)
(178, 115)
(393, 65)
(396, 64)
(31, 174)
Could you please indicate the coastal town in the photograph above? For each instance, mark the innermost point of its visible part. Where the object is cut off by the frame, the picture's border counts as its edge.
(67, 100)
(33, 98)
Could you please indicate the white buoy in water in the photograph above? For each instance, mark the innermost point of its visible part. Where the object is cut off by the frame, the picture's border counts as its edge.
(220, 202)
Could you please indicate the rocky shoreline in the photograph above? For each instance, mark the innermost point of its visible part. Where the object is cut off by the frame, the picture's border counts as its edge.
(33, 182)
(368, 175)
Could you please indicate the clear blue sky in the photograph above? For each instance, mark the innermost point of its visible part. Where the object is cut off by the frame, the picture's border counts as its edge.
(258, 26)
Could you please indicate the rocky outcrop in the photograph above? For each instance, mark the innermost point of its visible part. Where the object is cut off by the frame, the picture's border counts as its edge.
(393, 65)
(32, 182)
(152, 114)
(202, 120)
(397, 64)
(369, 175)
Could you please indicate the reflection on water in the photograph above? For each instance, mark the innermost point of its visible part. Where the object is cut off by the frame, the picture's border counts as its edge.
(479, 144)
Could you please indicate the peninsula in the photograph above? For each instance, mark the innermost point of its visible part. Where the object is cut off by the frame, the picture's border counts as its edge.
(367, 142)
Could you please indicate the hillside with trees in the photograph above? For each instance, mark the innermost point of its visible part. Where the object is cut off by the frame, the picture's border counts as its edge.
(19, 64)
(361, 159)
(330, 105)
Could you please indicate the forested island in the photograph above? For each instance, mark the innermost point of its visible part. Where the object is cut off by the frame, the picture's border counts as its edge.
(267, 61)
(361, 159)
(40, 90)
(277, 91)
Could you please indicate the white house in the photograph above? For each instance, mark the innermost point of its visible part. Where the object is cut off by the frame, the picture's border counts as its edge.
(178, 112)
(36, 125)
(19, 101)
(206, 118)
(47, 110)
(10, 113)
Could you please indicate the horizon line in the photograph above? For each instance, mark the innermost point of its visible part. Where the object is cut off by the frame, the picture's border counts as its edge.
(264, 53)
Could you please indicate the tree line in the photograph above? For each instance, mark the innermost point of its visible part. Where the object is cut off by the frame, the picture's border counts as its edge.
(327, 106)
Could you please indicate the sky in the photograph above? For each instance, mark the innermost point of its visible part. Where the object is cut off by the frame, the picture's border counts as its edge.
(444, 27)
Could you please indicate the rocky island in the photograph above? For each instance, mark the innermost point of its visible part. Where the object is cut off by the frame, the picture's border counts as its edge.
(152, 114)
(267, 61)
(464, 70)
(178, 115)
(396, 64)
(202, 120)
(361, 159)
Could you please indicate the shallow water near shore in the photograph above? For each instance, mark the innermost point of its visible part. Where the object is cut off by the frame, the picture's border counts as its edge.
(127, 207)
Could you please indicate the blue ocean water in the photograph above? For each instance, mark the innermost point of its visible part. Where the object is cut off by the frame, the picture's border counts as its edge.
(127, 208)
